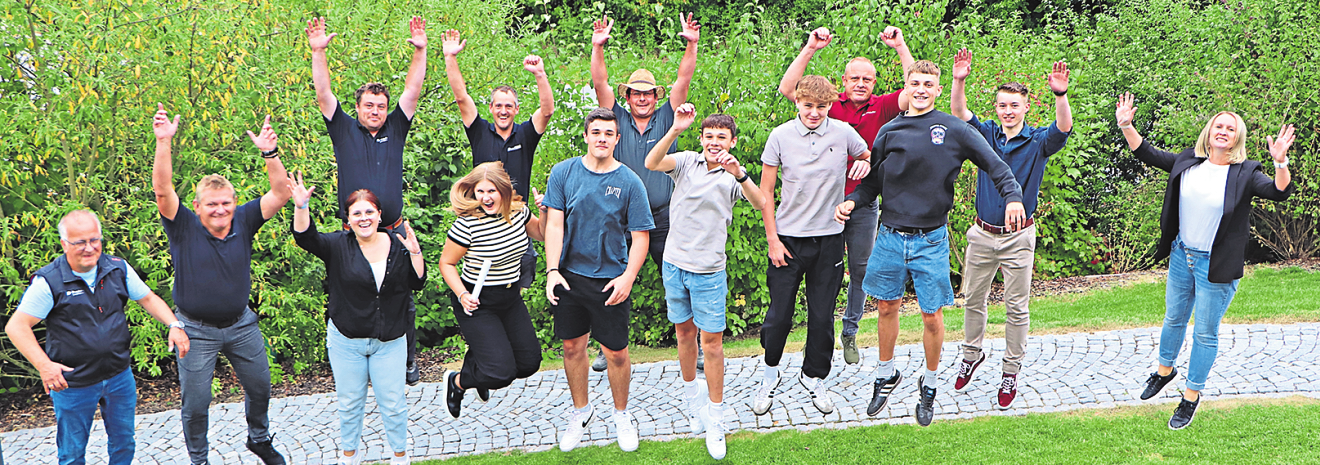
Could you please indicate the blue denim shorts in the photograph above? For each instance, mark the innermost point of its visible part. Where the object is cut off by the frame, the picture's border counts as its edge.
(699, 297)
(900, 257)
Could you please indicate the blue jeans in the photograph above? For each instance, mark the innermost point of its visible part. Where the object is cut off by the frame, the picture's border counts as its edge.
(699, 297)
(74, 408)
(859, 239)
(245, 348)
(1188, 288)
(922, 258)
(383, 363)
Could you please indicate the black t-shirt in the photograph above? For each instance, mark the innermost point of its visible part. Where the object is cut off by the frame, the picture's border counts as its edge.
(213, 277)
(517, 153)
(371, 162)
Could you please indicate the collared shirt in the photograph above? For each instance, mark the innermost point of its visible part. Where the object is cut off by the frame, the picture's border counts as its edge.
(634, 145)
(866, 119)
(1027, 153)
(517, 152)
(356, 307)
(213, 276)
(703, 199)
(38, 301)
(370, 162)
(600, 212)
(813, 165)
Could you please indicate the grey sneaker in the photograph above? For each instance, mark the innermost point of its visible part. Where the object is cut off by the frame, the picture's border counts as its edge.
(850, 354)
(599, 365)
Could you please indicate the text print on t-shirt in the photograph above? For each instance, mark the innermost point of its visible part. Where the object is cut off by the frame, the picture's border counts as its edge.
(937, 132)
(615, 191)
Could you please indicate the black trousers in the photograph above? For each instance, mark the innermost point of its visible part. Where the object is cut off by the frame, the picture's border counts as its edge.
(502, 344)
(819, 262)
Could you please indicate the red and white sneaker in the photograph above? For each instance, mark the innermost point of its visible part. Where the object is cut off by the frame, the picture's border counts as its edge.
(965, 371)
(1007, 392)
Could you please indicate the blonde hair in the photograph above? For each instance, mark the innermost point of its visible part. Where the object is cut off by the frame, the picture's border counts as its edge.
(463, 198)
(923, 67)
(1237, 153)
(815, 89)
(212, 182)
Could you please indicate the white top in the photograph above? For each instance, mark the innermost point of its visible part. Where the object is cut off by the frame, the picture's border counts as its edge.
(378, 270)
(1201, 204)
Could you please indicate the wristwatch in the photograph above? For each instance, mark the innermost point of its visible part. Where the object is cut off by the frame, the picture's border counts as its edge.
(177, 324)
(1281, 165)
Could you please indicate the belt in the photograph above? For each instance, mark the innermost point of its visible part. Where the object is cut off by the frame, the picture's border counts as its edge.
(220, 324)
(906, 230)
(397, 223)
(992, 229)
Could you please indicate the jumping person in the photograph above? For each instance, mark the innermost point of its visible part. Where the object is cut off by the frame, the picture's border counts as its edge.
(706, 185)
(503, 139)
(812, 152)
(594, 204)
(85, 362)
(643, 123)
(369, 150)
(494, 226)
(991, 244)
(917, 159)
(211, 251)
(866, 112)
(1204, 230)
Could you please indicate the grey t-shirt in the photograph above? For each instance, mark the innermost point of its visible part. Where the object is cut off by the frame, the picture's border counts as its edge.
(600, 209)
(813, 165)
(702, 207)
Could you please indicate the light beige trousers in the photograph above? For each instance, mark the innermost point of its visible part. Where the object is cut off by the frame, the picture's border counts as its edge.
(1014, 254)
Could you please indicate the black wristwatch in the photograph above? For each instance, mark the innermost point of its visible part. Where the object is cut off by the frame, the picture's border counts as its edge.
(1059, 94)
(275, 152)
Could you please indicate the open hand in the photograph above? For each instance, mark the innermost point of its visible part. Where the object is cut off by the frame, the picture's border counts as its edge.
(409, 240)
(619, 288)
(1126, 109)
(1058, 78)
(267, 140)
(316, 36)
(691, 30)
(553, 279)
(301, 193)
(1279, 144)
(161, 124)
(417, 28)
(451, 43)
(962, 64)
(600, 30)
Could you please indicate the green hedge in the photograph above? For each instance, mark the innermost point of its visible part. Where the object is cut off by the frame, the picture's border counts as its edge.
(82, 79)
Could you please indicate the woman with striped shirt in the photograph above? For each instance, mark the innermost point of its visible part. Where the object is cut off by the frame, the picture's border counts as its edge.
(489, 237)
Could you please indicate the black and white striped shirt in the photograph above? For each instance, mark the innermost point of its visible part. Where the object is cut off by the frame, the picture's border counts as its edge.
(489, 237)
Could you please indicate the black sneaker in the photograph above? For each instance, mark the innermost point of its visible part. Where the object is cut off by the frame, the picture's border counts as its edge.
(453, 395)
(1184, 414)
(926, 407)
(883, 388)
(483, 394)
(599, 365)
(1156, 383)
(965, 371)
(266, 450)
(414, 375)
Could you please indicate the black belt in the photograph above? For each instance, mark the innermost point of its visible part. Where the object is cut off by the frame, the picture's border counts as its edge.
(906, 230)
(215, 324)
(994, 229)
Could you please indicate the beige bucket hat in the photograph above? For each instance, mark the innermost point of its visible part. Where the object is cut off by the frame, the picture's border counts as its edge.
(642, 81)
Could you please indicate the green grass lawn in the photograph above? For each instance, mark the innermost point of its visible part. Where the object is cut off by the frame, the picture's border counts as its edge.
(1228, 431)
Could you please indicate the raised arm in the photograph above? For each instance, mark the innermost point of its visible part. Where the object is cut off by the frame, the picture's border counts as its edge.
(412, 83)
(536, 223)
(451, 44)
(749, 188)
(409, 240)
(162, 168)
(541, 119)
(962, 67)
(1123, 115)
(688, 65)
(268, 143)
(319, 41)
(816, 40)
(302, 197)
(1058, 80)
(600, 76)
(659, 158)
(1279, 152)
(893, 37)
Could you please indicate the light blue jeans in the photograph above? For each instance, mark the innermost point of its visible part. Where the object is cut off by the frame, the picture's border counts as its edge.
(699, 297)
(1189, 288)
(383, 363)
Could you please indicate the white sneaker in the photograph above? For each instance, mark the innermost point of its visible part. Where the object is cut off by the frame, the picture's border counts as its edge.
(627, 430)
(766, 395)
(820, 395)
(715, 436)
(696, 408)
(354, 460)
(577, 426)
(396, 460)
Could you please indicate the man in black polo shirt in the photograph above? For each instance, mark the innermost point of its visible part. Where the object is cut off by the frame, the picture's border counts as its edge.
(502, 139)
(369, 150)
(211, 250)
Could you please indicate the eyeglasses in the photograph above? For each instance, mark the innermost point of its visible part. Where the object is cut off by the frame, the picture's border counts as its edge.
(92, 243)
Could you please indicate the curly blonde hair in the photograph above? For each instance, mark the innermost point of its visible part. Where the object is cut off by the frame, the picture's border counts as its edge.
(463, 198)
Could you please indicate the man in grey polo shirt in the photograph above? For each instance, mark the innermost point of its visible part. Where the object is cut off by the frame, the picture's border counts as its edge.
(805, 244)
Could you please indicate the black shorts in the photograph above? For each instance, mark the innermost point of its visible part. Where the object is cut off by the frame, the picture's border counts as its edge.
(582, 310)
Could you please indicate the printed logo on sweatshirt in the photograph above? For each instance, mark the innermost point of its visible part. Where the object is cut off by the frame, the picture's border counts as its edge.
(615, 191)
(937, 134)
(75, 292)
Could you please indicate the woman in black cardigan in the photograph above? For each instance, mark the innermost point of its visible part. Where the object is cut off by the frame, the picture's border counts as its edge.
(1204, 227)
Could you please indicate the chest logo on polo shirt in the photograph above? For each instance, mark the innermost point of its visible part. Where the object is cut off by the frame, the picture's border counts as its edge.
(516, 147)
(383, 140)
(615, 191)
(75, 292)
(937, 134)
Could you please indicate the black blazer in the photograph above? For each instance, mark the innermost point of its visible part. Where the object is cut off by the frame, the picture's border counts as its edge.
(1245, 180)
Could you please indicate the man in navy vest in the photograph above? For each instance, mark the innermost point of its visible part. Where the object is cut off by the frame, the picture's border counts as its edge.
(81, 296)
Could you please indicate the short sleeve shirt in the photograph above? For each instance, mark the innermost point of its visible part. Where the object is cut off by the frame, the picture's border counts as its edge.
(866, 119)
(600, 210)
(490, 238)
(369, 161)
(813, 165)
(517, 152)
(1027, 154)
(213, 276)
(634, 145)
(38, 302)
(703, 198)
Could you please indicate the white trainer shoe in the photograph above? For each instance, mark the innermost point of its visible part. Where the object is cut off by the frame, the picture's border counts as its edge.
(396, 460)
(695, 408)
(715, 435)
(577, 426)
(820, 395)
(627, 430)
(766, 395)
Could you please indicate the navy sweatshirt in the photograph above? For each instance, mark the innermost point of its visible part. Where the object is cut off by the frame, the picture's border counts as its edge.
(915, 161)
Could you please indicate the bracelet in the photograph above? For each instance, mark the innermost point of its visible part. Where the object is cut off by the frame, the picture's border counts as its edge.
(303, 206)
(1059, 94)
(275, 152)
(743, 178)
(414, 253)
(1280, 166)
(552, 270)
(1125, 127)
(460, 296)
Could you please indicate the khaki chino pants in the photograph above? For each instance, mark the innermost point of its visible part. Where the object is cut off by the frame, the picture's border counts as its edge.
(1014, 254)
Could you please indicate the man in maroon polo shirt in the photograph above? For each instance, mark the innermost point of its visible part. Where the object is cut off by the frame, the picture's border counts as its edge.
(865, 112)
